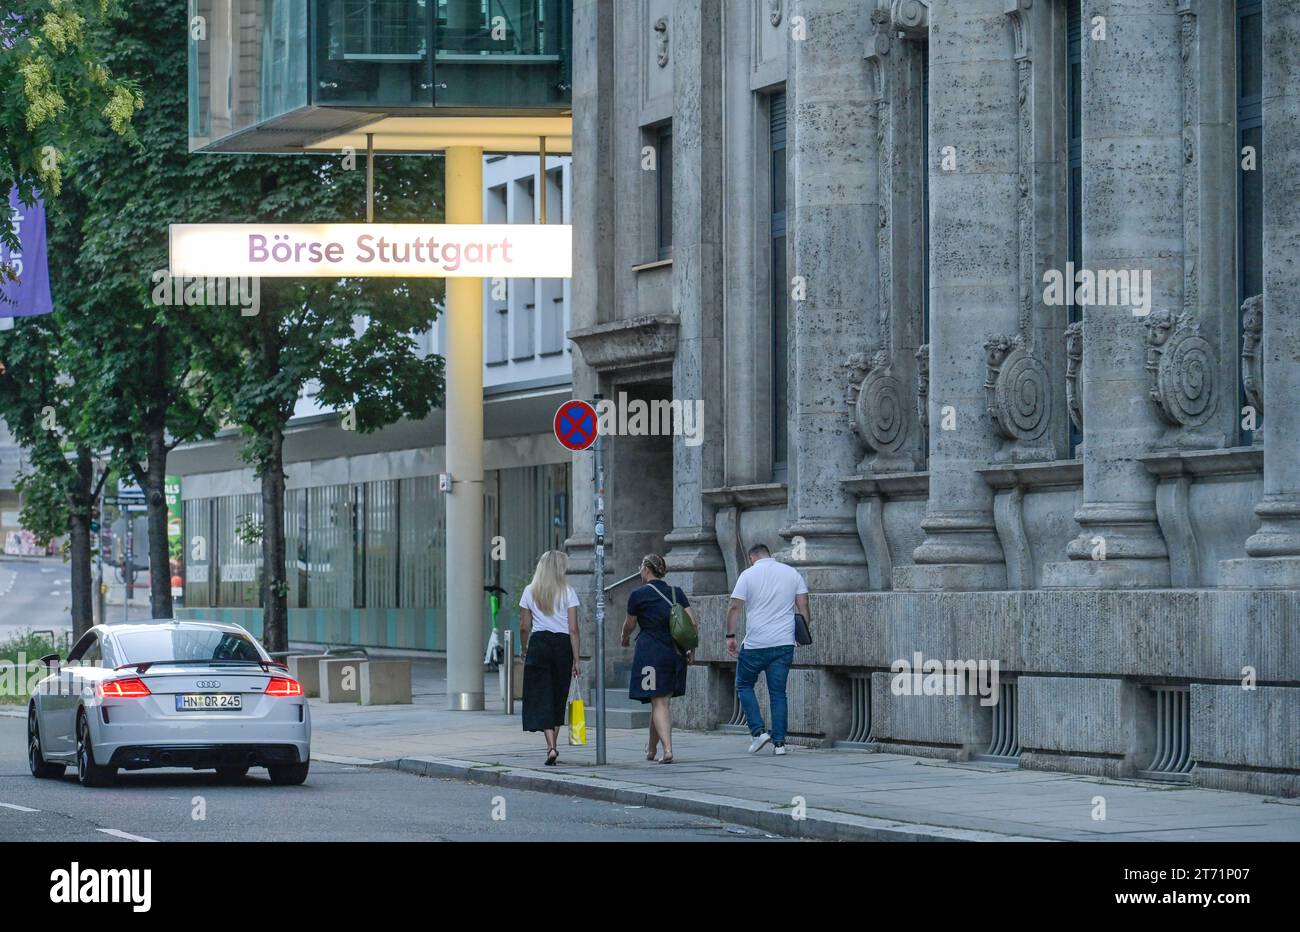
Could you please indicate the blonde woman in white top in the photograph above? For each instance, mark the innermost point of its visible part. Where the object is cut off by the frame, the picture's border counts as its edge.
(548, 635)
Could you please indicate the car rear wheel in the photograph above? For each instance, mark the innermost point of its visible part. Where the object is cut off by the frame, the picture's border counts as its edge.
(289, 774)
(88, 772)
(41, 768)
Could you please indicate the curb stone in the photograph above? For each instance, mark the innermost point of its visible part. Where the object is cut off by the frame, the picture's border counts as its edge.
(819, 824)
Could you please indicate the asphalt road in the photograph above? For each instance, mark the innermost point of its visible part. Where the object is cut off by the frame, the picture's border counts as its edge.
(35, 593)
(337, 803)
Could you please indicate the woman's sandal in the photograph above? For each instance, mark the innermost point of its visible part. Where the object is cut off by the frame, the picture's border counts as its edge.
(551, 757)
(668, 759)
(649, 754)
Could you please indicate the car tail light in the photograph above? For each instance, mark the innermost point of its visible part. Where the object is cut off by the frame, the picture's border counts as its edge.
(132, 687)
(283, 686)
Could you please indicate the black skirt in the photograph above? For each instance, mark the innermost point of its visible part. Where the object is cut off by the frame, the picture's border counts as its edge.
(548, 672)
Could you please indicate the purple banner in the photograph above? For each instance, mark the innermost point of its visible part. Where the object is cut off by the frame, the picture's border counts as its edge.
(30, 295)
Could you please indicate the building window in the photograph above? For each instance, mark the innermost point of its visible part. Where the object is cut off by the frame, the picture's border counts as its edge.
(780, 306)
(664, 190)
(382, 30)
(496, 338)
(1074, 198)
(1250, 184)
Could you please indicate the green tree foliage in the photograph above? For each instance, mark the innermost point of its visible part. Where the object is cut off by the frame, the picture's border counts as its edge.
(169, 375)
(150, 377)
(352, 344)
(54, 88)
(42, 400)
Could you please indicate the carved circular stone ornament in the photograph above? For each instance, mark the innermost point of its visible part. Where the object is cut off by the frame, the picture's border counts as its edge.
(911, 14)
(1022, 396)
(881, 412)
(1184, 383)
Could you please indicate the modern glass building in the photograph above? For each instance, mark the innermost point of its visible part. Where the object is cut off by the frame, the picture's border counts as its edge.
(371, 555)
(295, 75)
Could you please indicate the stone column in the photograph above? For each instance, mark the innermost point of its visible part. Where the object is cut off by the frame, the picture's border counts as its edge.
(1132, 222)
(835, 212)
(974, 166)
(747, 364)
(694, 560)
(592, 201)
(1275, 549)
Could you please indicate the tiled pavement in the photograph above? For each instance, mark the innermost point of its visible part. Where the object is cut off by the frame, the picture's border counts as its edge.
(847, 793)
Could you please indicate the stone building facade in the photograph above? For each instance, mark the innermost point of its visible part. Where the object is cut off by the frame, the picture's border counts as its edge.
(835, 223)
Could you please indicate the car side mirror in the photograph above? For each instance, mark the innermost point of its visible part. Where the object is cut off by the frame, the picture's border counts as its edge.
(49, 659)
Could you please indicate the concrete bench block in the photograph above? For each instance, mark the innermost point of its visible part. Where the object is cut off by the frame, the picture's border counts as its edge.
(386, 682)
(517, 680)
(340, 679)
(305, 668)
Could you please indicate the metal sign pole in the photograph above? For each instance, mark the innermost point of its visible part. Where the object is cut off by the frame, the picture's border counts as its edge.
(100, 613)
(599, 570)
(128, 577)
(370, 177)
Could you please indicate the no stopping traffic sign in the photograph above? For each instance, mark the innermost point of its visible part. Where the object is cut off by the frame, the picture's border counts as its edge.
(575, 425)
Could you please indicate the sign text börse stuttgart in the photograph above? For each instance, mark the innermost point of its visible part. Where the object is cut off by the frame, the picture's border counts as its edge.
(371, 250)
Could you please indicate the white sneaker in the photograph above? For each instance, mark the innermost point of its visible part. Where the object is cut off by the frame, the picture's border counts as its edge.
(759, 743)
(779, 750)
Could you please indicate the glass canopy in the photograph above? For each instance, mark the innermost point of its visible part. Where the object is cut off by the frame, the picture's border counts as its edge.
(288, 75)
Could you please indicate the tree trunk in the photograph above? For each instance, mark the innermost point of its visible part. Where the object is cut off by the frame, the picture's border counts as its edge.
(79, 542)
(275, 588)
(155, 494)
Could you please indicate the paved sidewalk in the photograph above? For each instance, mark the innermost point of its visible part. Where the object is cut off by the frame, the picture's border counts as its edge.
(847, 794)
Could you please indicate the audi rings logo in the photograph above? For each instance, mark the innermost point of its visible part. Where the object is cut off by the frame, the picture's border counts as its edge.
(208, 684)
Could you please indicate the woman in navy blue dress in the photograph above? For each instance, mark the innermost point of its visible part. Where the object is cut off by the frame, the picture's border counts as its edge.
(658, 664)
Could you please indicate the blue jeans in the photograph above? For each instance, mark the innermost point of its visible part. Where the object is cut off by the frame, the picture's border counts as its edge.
(775, 662)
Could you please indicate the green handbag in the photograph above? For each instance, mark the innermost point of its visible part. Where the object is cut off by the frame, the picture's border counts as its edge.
(679, 625)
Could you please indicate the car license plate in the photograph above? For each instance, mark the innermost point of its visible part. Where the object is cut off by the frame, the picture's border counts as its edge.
(204, 702)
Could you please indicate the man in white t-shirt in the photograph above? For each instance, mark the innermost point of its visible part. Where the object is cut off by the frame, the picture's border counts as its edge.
(770, 593)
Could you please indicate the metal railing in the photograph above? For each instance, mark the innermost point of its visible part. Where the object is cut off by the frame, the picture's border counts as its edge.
(628, 578)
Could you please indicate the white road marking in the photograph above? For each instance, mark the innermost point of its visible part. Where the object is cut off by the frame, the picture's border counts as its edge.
(17, 808)
(118, 833)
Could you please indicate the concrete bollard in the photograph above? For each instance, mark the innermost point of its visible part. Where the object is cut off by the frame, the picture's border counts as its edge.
(386, 682)
(305, 668)
(340, 678)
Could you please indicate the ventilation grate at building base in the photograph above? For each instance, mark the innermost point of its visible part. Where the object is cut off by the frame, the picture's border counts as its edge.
(1173, 757)
(859, 735)
(1004, 746)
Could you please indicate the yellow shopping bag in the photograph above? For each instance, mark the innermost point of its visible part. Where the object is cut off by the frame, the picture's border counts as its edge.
(577, 716)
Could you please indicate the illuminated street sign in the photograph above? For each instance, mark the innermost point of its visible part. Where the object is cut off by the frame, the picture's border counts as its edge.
(371, 250)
